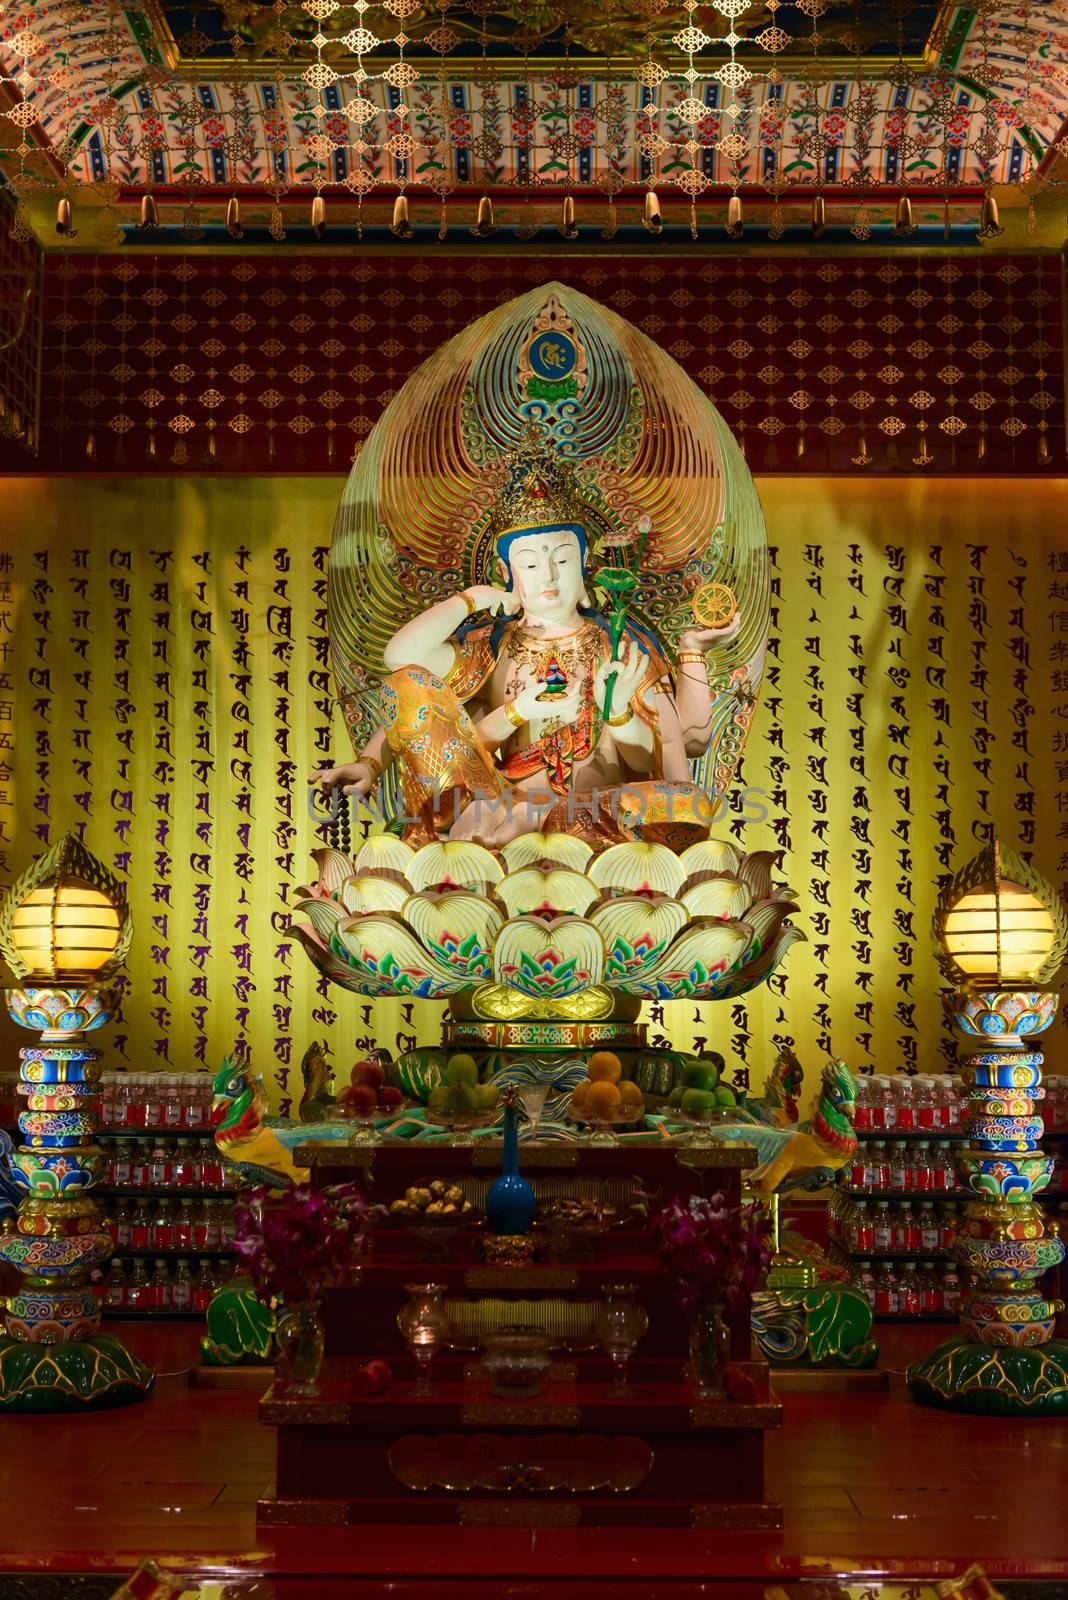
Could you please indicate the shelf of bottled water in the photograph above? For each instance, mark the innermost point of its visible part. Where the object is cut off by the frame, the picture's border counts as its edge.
(896, 1208)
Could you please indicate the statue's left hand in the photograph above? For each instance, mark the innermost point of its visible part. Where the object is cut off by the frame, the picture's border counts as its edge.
(706, 638)
(630, 668)
(356, 777)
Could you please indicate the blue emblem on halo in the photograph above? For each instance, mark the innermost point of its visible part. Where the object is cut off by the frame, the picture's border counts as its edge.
(553, 357)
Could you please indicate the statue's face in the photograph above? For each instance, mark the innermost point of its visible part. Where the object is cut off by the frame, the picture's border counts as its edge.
(546, 572)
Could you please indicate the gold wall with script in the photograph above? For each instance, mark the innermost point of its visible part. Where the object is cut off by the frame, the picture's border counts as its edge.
(164, 688)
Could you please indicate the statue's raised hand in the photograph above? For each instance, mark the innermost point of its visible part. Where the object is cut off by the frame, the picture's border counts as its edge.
(708, 638)
(486, 597)
(629, 668)
(357, 777)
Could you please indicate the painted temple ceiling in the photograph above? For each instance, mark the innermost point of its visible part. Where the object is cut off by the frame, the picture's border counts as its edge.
(593, 97)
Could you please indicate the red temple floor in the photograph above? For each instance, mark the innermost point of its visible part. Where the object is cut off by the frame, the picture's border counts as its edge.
(870, 1483)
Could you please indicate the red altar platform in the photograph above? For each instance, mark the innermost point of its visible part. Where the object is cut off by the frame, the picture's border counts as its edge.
(573, 1455)
(869, 1483)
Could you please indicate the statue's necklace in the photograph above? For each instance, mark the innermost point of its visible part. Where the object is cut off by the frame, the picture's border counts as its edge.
(583, 648)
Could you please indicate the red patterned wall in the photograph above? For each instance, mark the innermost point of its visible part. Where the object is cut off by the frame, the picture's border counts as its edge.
(283, 363)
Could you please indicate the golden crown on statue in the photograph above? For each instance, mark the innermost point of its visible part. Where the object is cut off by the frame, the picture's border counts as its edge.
(540, 492)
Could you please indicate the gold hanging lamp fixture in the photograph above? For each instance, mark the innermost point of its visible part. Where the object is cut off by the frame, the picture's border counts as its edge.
(484, 226)
(400, 227)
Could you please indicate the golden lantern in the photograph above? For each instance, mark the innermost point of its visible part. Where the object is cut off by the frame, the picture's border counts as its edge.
(999, 924)
(65, 919)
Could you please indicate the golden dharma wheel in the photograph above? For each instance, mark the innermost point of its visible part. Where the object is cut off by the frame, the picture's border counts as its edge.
(713, 604)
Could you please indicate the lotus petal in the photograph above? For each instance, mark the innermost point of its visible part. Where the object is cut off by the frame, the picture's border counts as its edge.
(389, 959)
(324, 915)
(717, 897)
(324, 961)
(755, 871)
(637, 932)
(383, 852)
(555, 892)
(697, 965)
(756, 971)
(638, 868)
(766, 919)
(454, 864)
(531, 849)
(458, 929)
(712, 855)
(361, 895)
(334, 867)
(549, 960)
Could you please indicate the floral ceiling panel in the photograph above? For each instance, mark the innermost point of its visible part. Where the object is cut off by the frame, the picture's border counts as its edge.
(682, 99)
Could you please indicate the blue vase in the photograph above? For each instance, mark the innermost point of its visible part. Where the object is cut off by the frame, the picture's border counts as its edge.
(510, 1203)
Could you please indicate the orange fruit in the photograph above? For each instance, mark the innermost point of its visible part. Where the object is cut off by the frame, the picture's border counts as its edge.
(630, 1094)
(605, 1067)
(578, 1093)
(602, 1099)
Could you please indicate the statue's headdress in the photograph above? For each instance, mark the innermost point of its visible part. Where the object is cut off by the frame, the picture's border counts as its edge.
(540, 492)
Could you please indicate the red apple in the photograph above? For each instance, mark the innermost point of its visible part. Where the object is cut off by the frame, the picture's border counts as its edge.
(362, 1098)
(389, 1098)
(368, 1072)
(344, 1095)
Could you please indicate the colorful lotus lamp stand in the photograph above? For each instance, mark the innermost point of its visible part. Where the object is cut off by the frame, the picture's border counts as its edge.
(1001, 933)
(64, 930)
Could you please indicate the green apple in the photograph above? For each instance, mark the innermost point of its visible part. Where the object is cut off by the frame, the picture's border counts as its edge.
(675, 1097)
(698, 1102)
(725, 1096)
(439, 1097)
(488, 1095)
(461, 1069)
(465, 1099)
(700, 1075)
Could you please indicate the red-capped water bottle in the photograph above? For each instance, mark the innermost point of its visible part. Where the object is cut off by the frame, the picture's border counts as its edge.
(904, 1104)
(115, 1287)
(909, 1301)
(886, 1298)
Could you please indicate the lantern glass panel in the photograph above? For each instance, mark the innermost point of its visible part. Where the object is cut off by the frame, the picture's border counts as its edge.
(999, 933)
(66, 929)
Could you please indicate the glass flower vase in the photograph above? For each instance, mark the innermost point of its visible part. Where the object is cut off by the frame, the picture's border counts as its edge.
(300, 1338)
(710, 1349)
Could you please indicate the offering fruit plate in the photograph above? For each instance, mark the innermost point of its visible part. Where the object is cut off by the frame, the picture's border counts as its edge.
(459, 1102)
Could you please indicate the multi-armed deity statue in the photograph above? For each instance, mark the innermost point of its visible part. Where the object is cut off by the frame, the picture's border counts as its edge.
(549, 608)
(522, 705)
(564, 528)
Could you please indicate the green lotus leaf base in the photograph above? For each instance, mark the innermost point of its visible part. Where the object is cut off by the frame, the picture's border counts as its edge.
(994, 1380)
(828, 1324)
(240, 1328)
(87, 1376)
